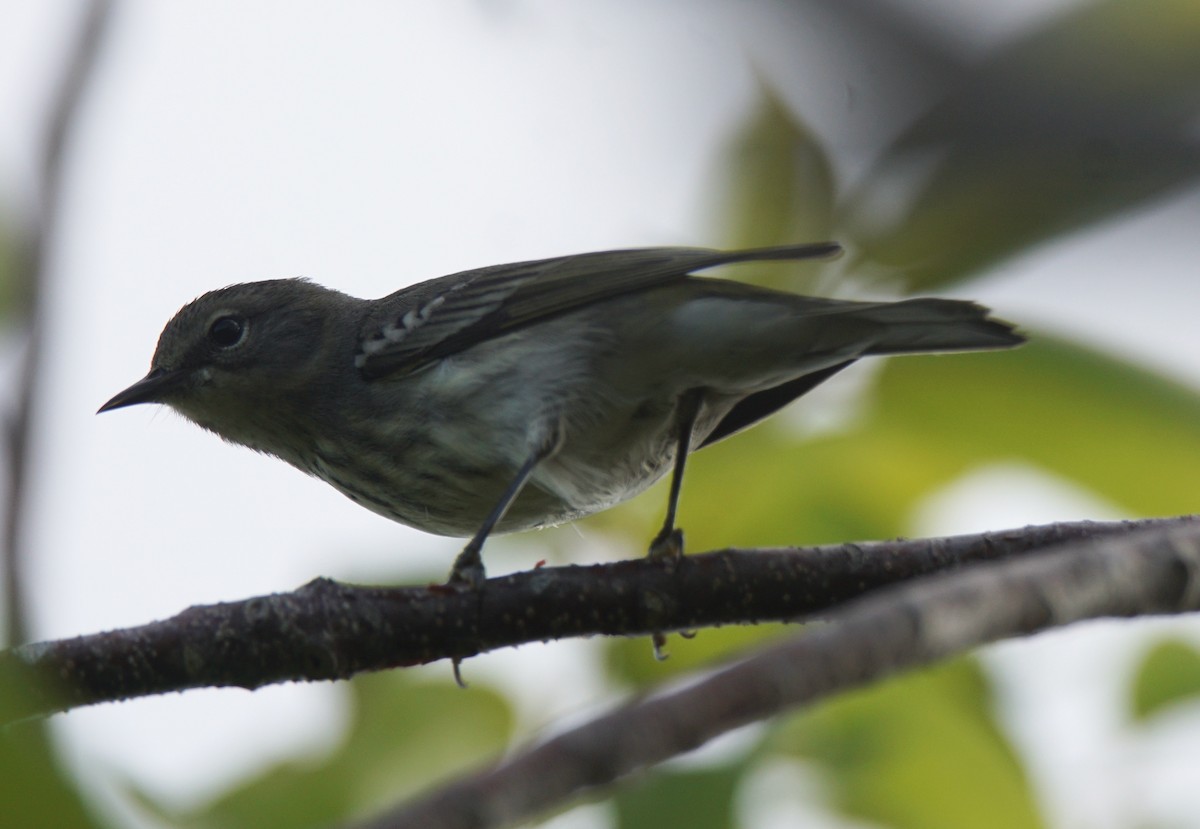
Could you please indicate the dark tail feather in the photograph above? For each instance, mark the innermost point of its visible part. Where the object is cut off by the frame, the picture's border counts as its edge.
(913, 326)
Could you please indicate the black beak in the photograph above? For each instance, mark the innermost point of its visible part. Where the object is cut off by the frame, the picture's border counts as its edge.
(150, 389)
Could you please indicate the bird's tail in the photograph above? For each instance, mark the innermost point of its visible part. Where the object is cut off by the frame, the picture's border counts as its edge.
(914, 326)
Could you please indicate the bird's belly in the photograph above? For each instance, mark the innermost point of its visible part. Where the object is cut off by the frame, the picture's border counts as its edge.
(565, 489)
(603, 463)
(455, 503)
(446, 482)
(483, 413)
(585, 481)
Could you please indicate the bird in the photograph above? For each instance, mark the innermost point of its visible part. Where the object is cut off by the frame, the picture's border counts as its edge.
(524, 395)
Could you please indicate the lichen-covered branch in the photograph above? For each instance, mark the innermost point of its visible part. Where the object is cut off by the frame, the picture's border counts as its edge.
(326, 630)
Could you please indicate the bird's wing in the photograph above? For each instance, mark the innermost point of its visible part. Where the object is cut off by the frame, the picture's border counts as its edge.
(443, 316)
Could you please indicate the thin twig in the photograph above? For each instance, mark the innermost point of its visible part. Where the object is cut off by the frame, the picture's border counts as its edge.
(30, 291)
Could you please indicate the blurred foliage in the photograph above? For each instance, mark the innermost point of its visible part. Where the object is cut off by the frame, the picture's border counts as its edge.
(406, 733)
(1169, 676)
(34, 788)
(920, 752)
(1123, 433)
(780, 190)
(1084, 118)
(10, 285)
(697, 799)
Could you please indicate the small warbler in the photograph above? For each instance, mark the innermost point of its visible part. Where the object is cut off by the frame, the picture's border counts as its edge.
(528, 394)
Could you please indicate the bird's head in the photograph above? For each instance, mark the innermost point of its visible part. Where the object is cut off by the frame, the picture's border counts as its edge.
(235, 359)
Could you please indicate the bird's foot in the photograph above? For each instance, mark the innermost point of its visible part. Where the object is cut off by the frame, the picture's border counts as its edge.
(468, 572)
(467, 576)
(668, 544)
(658, 641)
(458, 680)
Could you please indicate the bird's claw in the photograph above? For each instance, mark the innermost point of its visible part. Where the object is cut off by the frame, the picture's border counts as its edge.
(658, 641)
(468, 572)
(667, 545)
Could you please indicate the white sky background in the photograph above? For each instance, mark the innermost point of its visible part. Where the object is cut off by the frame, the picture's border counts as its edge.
(371, 145)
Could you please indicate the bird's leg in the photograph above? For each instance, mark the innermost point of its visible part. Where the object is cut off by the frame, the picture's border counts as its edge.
(468, 570)
(668, 544)
(669, 541)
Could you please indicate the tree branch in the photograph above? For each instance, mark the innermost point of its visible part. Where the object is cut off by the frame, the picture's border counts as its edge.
(326, 630)
(1152, 571)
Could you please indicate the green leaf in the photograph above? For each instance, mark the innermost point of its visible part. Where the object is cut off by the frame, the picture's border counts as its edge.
(1121, 431)
(919, 752)
(695, 799)
(1168, 676)
(34, 789)
(778, 189)
(406, 734)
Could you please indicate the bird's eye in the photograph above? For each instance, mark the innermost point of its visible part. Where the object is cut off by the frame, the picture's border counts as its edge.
(226, 332)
